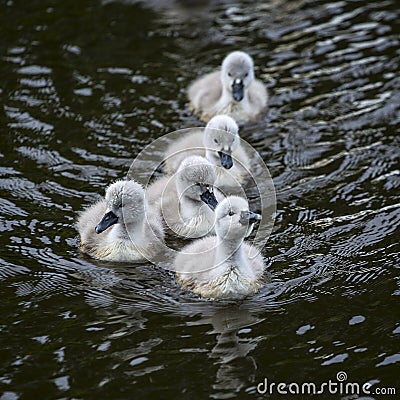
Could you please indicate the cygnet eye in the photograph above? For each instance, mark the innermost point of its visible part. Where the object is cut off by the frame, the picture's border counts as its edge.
(229, 74)
(216, 141)
(246, 74)
(231, 213)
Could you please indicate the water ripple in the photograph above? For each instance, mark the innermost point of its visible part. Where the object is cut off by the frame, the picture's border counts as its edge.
(85, 88)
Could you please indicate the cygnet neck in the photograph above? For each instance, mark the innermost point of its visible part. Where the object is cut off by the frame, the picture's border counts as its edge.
(189, 207)
(230, 251)
(210, 157)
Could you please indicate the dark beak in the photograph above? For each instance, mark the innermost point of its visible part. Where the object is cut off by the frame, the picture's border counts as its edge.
(248, 217)
(237, 90)
(226, 159)
(209, 198)
(109, 219)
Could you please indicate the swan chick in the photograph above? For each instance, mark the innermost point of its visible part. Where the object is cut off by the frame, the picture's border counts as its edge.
(223, 266)
(232, 90)
(121, 226)
(186, 199)
(219, 142)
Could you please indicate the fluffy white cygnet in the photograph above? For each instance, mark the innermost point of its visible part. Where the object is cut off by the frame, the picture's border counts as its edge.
(223, 266)
(121, 227)
(219, 142)
(186, 200)
(233, 90)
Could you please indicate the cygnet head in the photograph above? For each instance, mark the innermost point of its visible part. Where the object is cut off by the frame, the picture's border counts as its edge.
(237, 73)
(125, 202)
(221, 138)
(233, 218)
(195, 179)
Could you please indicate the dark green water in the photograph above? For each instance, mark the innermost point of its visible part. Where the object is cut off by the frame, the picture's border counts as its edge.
(85, 85)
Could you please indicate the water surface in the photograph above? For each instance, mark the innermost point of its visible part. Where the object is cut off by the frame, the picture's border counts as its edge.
(85, 85)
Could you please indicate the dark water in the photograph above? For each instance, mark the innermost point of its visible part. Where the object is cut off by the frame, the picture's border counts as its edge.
(85, 85)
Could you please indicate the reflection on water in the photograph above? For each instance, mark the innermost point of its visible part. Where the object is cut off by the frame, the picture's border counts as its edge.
(86, 86)
(231, 353)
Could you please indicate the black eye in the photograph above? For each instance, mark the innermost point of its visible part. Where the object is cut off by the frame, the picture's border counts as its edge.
(229, 74)
(215, 141)
(231, 213)
(246, 74)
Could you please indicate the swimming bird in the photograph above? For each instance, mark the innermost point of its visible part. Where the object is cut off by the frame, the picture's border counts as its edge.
(219, 142)
(223, 266)
(233, 90)
(121, 226)
(186, 200)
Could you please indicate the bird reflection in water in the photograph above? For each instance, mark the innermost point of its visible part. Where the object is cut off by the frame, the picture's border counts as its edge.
(232, 353)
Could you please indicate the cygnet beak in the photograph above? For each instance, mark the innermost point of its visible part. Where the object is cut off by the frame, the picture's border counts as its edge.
(249, 217)
(237, 89)
(226, 159)
(209, 198)
(109, 219)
